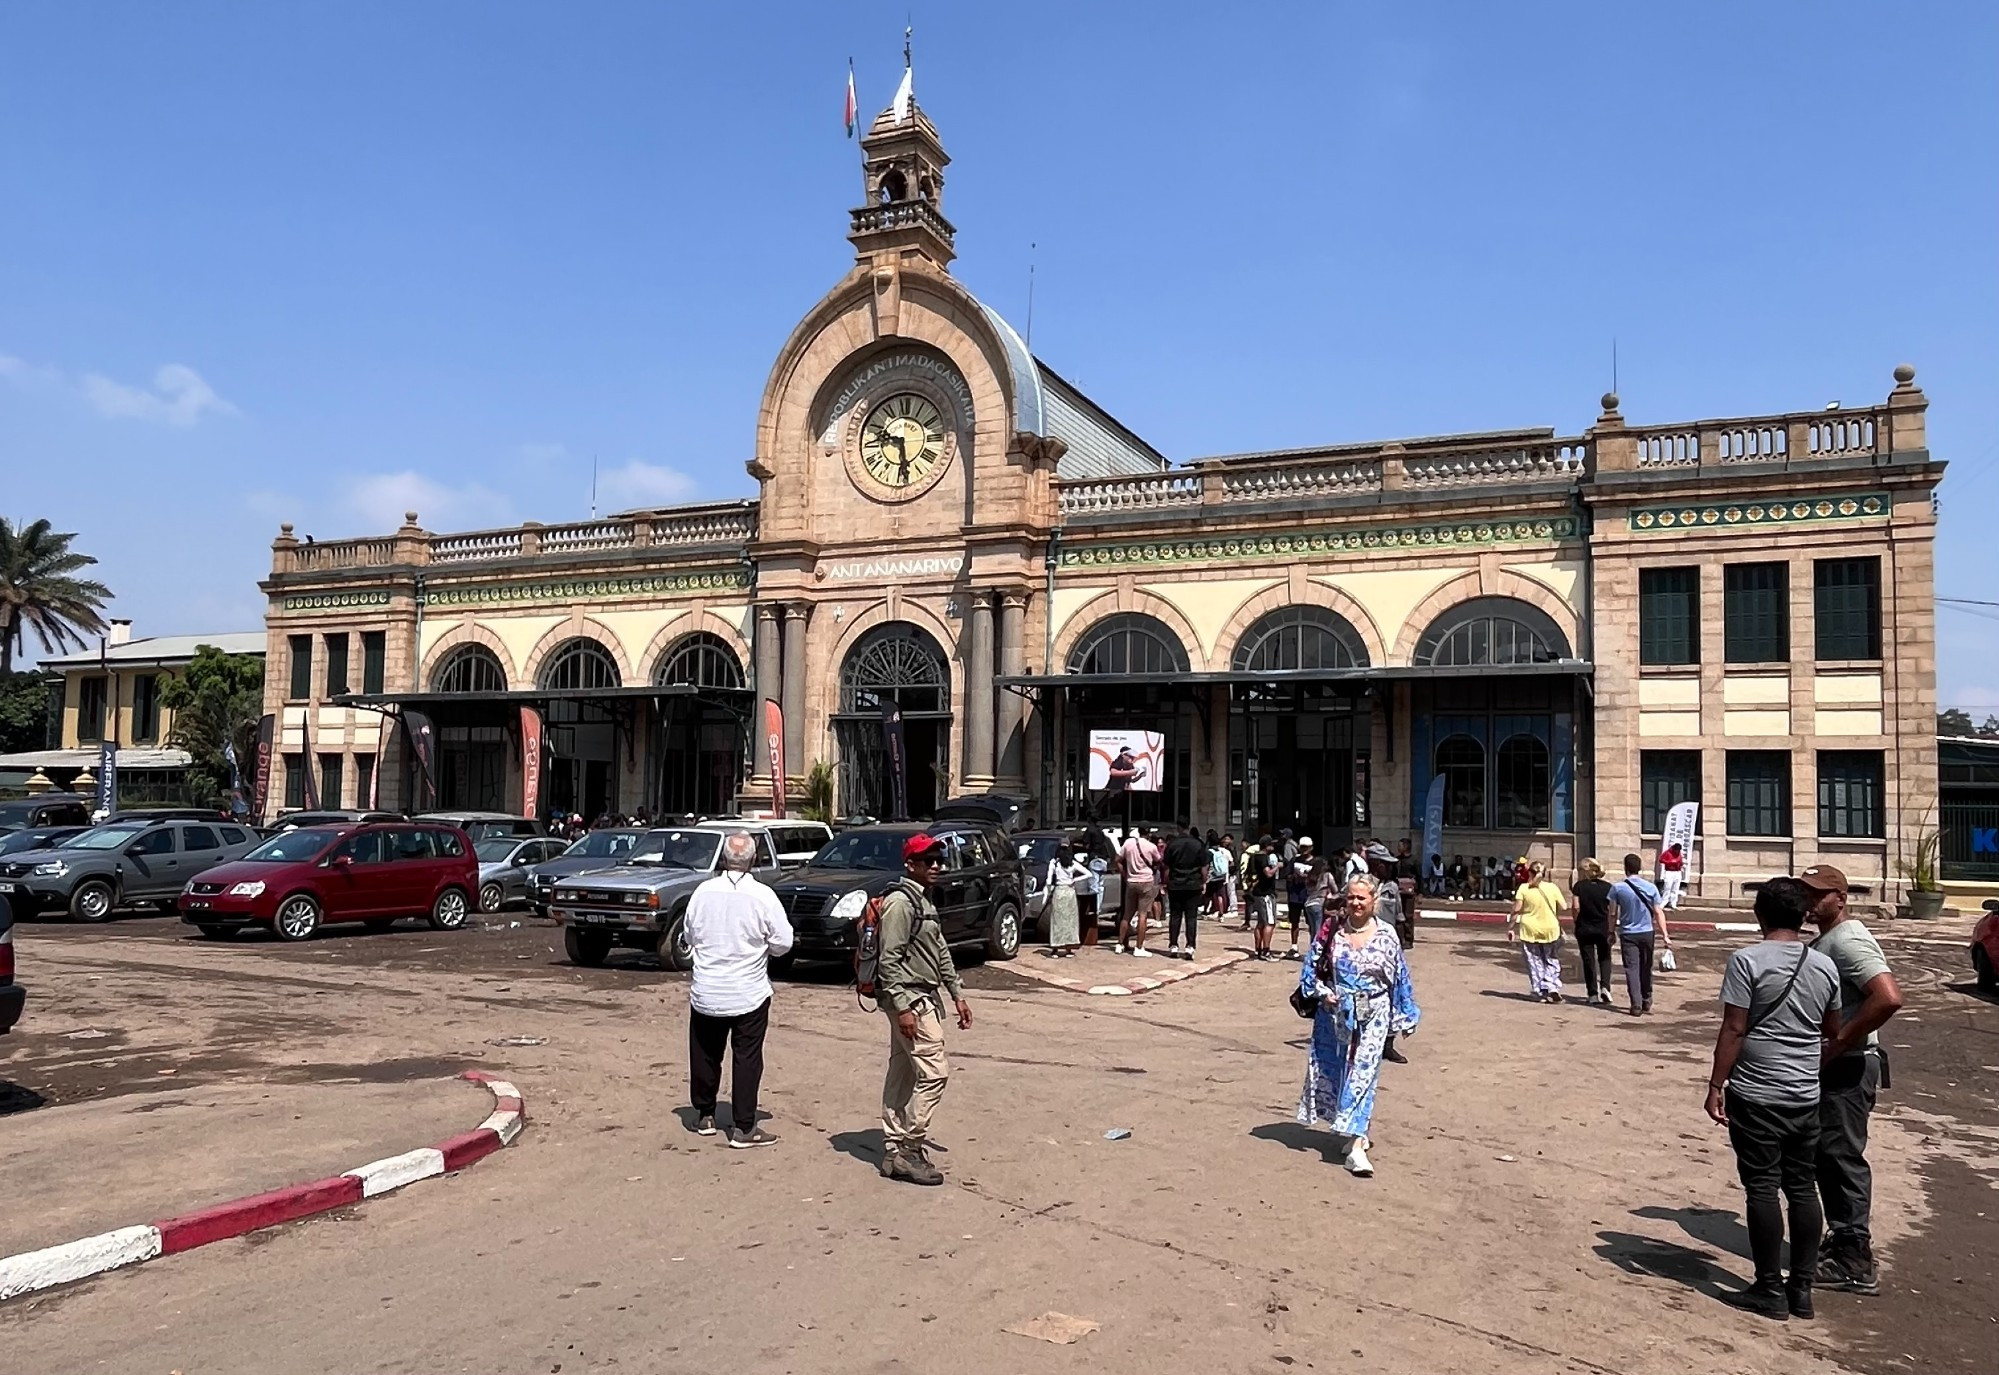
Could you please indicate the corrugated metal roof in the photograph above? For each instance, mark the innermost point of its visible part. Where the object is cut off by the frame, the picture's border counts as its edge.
(1045, 404)
(167, 647)
(129, 757)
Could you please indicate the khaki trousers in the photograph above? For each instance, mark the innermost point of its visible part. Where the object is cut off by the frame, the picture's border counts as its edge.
(916, 1077)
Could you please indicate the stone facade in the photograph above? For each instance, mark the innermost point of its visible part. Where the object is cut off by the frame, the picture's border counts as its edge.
(943, 522)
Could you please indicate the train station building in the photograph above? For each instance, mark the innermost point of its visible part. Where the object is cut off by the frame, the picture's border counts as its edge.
(1574, 631)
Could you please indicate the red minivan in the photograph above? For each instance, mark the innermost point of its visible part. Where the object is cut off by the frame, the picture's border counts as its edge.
(302, 880)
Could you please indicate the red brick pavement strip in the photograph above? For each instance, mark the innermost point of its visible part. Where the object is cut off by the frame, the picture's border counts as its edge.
(1471, 918)
(74, 1260)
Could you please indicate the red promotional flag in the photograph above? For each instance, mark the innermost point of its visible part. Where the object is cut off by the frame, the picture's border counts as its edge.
(531, 760)
(774, 747)
(853, 111)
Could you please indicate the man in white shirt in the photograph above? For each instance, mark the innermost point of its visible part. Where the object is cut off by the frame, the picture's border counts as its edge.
(734, 925)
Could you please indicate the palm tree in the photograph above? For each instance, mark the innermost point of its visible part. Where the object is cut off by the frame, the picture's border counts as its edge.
(37, 589)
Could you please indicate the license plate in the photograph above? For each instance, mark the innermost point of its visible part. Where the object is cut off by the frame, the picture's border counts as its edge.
(597, 917)
(6, 887)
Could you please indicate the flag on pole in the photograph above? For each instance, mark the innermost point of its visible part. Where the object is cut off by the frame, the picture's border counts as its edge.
(904, 94)
(853, 111)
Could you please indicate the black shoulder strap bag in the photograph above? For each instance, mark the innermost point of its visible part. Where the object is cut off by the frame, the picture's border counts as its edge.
(1757, 1019)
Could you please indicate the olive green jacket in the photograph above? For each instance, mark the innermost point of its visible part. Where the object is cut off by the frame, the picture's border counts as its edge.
(915, 961)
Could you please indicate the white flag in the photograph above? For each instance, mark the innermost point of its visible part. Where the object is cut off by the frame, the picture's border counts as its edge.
(904, 94)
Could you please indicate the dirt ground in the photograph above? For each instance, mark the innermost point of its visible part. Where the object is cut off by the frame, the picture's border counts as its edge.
(1549, 1195)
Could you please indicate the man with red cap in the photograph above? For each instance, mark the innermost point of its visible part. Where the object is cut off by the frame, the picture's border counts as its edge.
(915, 972)
(1855, 1070)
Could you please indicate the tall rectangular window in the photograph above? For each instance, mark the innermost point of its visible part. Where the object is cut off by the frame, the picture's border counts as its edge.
(1755, 613)
(91, 695)
(374, 659)
(294, 780)
(1759, 793)
(1669, 608)
(301, 652)
(1666, 778)
(1851, 788)
(364, 780)
(329, 780)
(336, 664)
(1846, 608)
(145, 709)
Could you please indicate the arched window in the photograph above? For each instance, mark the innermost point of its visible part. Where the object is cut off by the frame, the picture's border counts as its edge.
(1491, 630)
(896, 663)
(579, 664)
(1299, 637)
(699, 660)
(1128, 643)
(1461, 760)
(1521, 783)
(469, 668)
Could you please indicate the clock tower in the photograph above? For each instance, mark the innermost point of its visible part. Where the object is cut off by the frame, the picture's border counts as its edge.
(902, 175)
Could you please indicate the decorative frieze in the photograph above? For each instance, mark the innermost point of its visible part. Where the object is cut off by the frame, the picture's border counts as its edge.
(1781, 511)
(336, 601)
(1305, 543)
(590, 589)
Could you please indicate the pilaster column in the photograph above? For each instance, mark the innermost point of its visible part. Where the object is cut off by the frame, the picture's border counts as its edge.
(979, 696)
(1012, 709)
(765, 658)
(793, 698)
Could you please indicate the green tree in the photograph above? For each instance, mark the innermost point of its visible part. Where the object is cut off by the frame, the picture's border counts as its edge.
(1954, 721)
(38, 589)
(25, 705)
(216, 701)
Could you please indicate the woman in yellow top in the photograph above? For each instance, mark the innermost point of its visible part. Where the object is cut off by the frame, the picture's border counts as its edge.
(1535, 923)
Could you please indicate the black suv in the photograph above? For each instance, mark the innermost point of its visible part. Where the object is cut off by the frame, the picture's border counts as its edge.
(979, 892)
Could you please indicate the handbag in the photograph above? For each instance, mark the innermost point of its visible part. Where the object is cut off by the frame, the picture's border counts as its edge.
(1305, 1004)
(1666, 960)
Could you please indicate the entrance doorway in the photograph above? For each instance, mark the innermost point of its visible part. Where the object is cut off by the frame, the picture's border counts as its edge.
(583, 735)
(895, 664)
(1292, 763)
(699, 743)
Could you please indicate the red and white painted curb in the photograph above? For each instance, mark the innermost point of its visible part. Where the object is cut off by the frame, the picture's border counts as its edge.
(80, 1259)
(1499, 919)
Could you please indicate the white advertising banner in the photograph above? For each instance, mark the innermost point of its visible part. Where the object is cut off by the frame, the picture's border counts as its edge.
(1127, 761)
(1676, 851)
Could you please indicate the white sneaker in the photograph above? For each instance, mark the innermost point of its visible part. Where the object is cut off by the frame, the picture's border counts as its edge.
(1357, 1162)
(1142, 953)
(1173, 952)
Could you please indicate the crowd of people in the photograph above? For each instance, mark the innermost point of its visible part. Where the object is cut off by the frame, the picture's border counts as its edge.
(1797, 1061)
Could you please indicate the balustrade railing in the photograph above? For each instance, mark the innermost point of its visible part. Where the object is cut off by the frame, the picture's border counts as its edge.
(1144, 492)
(345, 553)
(479, 544)
(1559, 459)
(1277, 482)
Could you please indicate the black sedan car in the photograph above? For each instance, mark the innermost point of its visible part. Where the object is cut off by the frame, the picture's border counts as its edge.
(980, 892)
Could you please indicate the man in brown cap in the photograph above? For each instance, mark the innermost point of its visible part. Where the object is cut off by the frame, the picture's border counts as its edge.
(1856, 1069)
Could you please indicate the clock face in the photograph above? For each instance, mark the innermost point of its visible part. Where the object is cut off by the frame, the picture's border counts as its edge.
(902, 440)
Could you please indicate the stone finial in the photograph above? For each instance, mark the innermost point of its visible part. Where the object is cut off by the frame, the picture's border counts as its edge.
(1610, 401)
(1905, 375)
(284, 529)
(409, 518)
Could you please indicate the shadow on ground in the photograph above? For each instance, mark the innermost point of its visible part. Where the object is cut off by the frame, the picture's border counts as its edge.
(1636, 1255)
(1300, 1137)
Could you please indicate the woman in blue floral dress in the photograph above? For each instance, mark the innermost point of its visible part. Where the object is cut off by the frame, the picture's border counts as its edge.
(1357, 971)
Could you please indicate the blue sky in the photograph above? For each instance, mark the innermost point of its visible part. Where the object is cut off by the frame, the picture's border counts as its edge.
(323, 262)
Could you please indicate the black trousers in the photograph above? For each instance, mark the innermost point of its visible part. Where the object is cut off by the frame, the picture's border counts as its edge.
(1846, 1184)
(1182, 908)
(1776, 1150)
(707, 1038)
(1595, 950)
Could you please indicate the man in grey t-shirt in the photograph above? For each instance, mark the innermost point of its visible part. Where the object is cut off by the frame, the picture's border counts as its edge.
(1854, 1071)
(1780, 1007)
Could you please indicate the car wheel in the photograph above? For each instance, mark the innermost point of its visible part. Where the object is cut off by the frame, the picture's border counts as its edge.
(212, 933)
(91, 901)
(586, 948)
(297, 919)
(1003, 942)
(491, 896)
(448, 912)
(674, 951)
(1981, 964)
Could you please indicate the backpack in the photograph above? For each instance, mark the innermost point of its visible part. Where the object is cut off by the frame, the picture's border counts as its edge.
(868, 941)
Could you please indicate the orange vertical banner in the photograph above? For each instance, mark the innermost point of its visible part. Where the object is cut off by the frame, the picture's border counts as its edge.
(774, 747)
